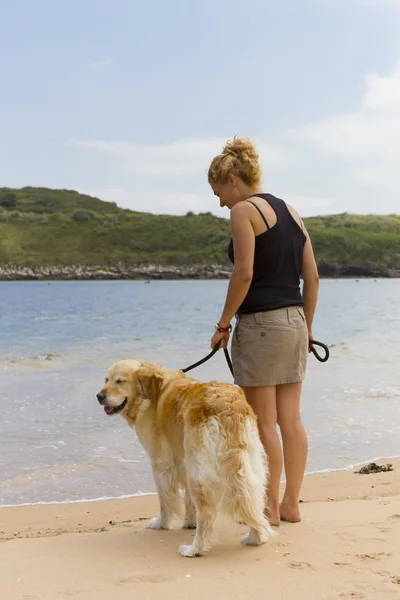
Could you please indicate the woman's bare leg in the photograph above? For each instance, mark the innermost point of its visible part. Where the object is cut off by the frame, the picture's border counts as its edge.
(263, 402)
(295, 447)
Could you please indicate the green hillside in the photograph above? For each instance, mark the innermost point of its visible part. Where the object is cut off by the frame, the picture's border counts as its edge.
(39, 226)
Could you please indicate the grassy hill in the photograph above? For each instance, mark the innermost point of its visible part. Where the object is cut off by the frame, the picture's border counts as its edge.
(39, 226)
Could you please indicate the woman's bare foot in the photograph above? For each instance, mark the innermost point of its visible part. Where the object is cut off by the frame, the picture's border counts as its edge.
(289, 513)
(273, 516)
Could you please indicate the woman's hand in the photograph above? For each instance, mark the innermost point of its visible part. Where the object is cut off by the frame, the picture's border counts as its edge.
(220, 337)
(310, 338)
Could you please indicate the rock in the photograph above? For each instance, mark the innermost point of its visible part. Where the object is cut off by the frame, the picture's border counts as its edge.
(374, 468)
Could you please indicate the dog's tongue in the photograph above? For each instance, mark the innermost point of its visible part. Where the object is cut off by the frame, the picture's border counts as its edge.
(108, 409)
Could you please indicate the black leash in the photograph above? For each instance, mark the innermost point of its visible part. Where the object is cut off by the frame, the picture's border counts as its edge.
(311, 345)
(206, 358)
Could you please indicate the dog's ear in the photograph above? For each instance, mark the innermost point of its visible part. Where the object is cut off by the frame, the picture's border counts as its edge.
(150, 380)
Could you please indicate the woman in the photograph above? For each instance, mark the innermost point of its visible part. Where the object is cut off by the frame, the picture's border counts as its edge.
(270, 250)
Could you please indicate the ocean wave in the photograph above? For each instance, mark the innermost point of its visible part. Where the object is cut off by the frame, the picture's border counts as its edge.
(50, 361)
(144, 493)
(383, 393)
(41, 474)
(99, 499)
(46, 362)
(360, 394)
(18, 359)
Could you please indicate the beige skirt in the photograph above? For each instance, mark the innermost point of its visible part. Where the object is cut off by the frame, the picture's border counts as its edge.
(270, 348)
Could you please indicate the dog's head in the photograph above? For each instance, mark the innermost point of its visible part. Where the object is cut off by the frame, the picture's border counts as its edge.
(127, 384)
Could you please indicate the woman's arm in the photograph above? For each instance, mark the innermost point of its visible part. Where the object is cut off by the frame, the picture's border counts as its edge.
(243, 245)
(311, 283)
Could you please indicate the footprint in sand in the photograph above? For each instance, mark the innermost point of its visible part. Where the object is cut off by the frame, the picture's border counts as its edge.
(348, 537)
(281, 544)
(389, 577)
(394, 517)
(145, 578)
(301, 565)
(152, 578)
(374, 556)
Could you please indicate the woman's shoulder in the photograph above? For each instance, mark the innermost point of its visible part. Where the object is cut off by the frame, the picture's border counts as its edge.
(241, 208)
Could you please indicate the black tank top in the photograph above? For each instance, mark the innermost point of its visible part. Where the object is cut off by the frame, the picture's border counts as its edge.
(278, 262)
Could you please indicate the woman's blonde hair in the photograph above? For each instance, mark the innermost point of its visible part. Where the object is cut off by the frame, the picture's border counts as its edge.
(239, 157)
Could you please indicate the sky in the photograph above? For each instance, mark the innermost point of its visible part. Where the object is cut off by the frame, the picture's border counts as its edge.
(129, 100)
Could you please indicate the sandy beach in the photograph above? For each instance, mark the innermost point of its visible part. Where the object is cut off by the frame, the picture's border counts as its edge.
(348, 546)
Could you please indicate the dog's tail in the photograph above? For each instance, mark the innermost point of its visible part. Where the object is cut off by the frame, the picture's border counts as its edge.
(244, 468)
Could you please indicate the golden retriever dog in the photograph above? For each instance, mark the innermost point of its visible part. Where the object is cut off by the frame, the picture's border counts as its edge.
(201, 438)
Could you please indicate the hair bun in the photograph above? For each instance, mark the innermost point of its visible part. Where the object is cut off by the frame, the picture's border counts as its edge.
(241, 148)
(239, 157)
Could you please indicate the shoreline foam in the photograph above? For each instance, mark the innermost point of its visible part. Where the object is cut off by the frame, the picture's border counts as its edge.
(141, 494)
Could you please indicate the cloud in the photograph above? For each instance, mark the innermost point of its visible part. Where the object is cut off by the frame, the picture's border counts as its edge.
(166, 178)
(383, 93)
(100, 65)
(177, 203)
(116, 195)
(309, 204)
(180, 203)
(368, 140)
(344, 162)
(178, 158)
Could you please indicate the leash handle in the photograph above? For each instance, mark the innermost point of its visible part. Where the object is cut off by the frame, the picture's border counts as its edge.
(313, 343)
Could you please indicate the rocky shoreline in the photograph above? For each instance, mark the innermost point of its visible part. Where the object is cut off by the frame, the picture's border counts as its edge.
(116, 272)
(352, 271)
(157, 271)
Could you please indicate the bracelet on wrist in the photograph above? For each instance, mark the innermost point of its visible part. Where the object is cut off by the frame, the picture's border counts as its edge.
(220, 329)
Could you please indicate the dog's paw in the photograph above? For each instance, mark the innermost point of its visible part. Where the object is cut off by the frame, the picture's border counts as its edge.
(156, 523)
(251, 540)
(188, 525)
(257, 537)
(188, 551)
